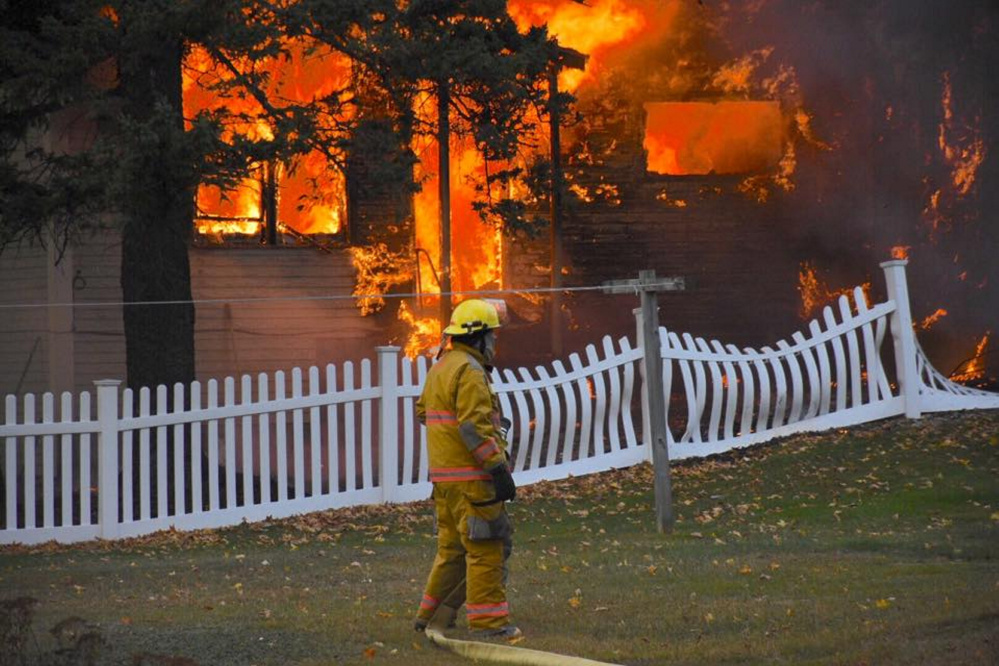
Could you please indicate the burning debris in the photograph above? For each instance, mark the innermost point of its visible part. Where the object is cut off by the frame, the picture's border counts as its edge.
(973, 370)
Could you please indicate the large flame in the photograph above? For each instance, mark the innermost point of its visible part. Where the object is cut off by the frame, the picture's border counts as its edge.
(476, 249)
(311, 196)
(597, 29)
(701, 137)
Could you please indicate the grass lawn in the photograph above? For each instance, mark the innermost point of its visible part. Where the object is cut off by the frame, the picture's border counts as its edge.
(875, 545)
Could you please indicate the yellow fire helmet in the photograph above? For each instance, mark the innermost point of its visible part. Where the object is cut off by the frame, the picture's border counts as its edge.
(472, 316)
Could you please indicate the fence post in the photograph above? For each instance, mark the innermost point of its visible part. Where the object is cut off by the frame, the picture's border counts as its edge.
(107, 442)
(640, 338)
(903, 336)
(388, 421)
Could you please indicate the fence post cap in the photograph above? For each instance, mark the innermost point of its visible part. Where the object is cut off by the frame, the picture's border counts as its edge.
(894, 262)
(388, 348)
(107, 382)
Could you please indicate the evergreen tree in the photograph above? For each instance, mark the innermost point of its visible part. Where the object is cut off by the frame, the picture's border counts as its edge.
(109, 74)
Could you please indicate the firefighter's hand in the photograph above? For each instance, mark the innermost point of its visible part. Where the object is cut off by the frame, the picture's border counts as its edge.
(504, 428)
(506, 489)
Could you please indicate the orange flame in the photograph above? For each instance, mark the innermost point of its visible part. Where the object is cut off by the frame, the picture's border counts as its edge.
(974, 369)
(965, 152)
(701, 137)
(900, 251)
(311, 196)
(815, 294)
(932, 319)
(596, 29)
(425, 333)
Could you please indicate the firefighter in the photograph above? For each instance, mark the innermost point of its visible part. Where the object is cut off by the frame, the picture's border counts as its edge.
(470, 471)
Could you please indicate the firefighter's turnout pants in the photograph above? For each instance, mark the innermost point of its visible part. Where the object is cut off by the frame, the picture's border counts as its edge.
(473, 544)
(464, 444)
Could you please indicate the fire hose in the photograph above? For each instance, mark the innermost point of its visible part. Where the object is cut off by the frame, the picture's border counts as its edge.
(492, 652)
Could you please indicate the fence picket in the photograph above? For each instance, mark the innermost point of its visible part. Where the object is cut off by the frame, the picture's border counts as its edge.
(813, 375)
(30, 514)
(856, 388)
(780, 387)
(693, 428)
(714, 420)
(48, 464)
(760, 367)
(213, 447)
(586, 407)
(161, 453)
(870, 351)
(627, 392)
(366, 438)
(179, 444)
(730, 382)
(537, 430)
(667, 372)
(748, 392)
(555, 424)
(246, 428)
(197, 502)
(569, 396)
(297, 436)
(700, 390)
(332, 433)
(880, 327)
(797, 384)
(614, 411)
(408, 447)
(600, 401)
(281, 438)
(350, 467)
(145, 456)
(315, 436)
(66, 461)
(825, 377)
(841, 378)
(230, 444)
(422, 367)
(264, 440)
(85, 462)
(10, 465)
(523, 417)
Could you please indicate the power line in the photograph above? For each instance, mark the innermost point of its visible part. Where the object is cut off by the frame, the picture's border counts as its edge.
(280, 299)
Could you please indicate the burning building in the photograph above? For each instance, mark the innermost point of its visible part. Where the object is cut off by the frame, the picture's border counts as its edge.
(769, 151)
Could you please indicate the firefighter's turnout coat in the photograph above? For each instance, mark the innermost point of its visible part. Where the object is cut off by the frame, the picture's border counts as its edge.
(462, 416)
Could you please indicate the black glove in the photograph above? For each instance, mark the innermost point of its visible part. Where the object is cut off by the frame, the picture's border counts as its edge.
(506, 489)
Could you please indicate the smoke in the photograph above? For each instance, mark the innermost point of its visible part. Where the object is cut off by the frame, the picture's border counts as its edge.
(901, 93)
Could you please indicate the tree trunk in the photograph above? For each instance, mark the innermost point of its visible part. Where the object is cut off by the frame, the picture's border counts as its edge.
(158, 217)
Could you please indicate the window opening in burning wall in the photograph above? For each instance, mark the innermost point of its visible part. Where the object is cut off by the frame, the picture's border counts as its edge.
(699, 138)
(274, 203)
(293, 200)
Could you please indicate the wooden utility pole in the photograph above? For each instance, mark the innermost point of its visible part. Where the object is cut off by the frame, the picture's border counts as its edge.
(444, 195)
(657, 402)
(647, 286)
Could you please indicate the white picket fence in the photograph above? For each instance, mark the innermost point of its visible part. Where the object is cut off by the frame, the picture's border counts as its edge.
(208, 455)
